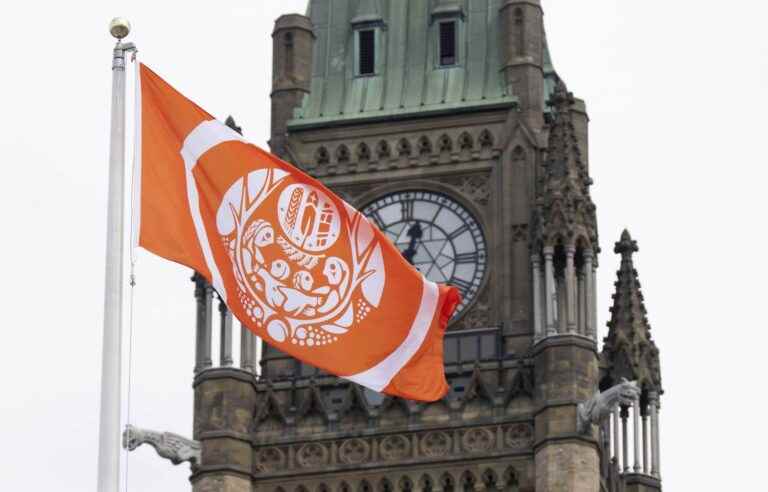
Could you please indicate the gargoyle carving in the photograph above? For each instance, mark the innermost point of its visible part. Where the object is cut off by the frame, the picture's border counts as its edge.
(171, 446)
(600, 406)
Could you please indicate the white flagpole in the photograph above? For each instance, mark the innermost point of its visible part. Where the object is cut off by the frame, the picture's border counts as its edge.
(109, 418)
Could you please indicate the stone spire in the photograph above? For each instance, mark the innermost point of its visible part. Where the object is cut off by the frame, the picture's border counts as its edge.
(628, 350)
(564, 209)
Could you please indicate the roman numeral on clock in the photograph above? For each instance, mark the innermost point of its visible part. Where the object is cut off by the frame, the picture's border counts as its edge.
(466, 257)
(406, 209)
(461, 284)
(458, 232)
(376, 218)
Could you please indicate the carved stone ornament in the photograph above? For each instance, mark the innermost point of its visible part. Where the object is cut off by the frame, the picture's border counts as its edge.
(519, 436)
(436, 444)
(480, 314)
(312, 455)
(354, 451)
(600, 406)
(474, 187)
(477, 440)
(170, 446)
(519, 233)
(269, 459)
(395, 447)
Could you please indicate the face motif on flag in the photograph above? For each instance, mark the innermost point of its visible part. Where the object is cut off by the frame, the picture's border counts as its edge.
(305, 271)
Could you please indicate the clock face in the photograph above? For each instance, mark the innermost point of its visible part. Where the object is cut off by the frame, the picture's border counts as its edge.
(437, 235)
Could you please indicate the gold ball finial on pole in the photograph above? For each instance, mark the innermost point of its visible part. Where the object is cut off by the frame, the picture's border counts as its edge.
(119, 27)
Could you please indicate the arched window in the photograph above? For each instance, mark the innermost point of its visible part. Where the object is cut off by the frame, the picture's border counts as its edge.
(288, 55)
(490, 480)
(404, 147)
(366, 52)
(425, 146)
(511, 483)
(342, 154)
(448, 43)
(447, 484)
(519, 30)
(468, 481)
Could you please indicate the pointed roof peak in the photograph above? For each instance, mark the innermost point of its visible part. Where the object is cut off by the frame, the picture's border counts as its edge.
(626, 245)
(629, 350)
(564, 206)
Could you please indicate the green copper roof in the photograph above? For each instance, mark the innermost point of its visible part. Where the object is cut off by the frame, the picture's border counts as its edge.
(408, 80)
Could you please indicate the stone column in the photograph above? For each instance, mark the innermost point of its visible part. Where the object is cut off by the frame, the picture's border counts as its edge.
(549, 288)
(653, 398)
(225, 323)
(616, 450)
(246, 349)
(581, 304)
(644, 413)
(537, 325)
(636, 433)
(624, 440)
(591, 298)
(570, 289)
(255, 341)
(204, 298)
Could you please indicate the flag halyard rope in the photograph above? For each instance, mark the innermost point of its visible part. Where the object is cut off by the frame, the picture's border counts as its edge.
(132, 249)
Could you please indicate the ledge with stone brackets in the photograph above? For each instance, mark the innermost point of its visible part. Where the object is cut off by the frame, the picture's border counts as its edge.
(168, 445)
(601, 405)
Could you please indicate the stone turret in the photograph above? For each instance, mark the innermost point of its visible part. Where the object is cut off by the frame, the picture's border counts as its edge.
(629, 353)
(523, 53)
(292, 45)
(564, 232)
(564, 241)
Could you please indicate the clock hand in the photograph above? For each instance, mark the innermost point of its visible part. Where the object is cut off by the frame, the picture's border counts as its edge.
(415, 233)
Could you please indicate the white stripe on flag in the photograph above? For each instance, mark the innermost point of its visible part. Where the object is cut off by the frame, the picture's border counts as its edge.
(378, 377)
(204, 137)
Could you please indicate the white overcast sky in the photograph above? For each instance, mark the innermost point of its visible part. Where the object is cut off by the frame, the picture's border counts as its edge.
(676, 93)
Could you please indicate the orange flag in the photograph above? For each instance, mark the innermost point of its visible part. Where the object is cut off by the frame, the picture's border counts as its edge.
(295, 264)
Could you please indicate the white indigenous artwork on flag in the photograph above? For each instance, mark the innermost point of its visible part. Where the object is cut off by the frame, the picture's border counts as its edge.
(296, 290)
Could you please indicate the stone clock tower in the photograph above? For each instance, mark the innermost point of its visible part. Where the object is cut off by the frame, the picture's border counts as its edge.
(445, 122)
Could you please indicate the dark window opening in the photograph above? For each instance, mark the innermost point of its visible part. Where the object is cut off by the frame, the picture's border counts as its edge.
(367, 52)
(447, 43)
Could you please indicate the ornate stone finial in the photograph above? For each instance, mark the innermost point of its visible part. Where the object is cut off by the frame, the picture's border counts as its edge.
(629, 350)
(626, 245)
(561, 100)
(600, 406)
(564, 207)
(168, 445)
(478, 389)
(355, 402)
(230, 122)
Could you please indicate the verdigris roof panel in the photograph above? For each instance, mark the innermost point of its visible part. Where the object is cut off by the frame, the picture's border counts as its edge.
(408, 79)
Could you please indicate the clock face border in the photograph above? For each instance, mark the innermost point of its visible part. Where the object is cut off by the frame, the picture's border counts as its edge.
(439, 203)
